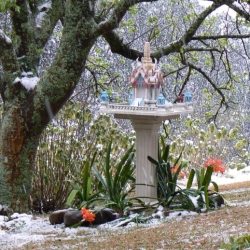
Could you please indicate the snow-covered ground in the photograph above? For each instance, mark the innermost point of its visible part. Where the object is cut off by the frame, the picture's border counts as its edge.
(24, 228)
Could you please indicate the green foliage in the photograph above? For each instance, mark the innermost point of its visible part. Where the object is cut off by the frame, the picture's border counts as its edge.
(240, 243)
(105, 186)
(117, 182)
(203, 177)
(85, 190)
(133, 10)
(166, 178)
(203, 141)
(170, 194)
(7, 4)
(152, 19)
(129, 22)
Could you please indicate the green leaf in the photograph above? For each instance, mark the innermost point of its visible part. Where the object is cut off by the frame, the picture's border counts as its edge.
(190, 178)
(198, 177)
(7, 4)
(152, 160)
(85, 178)
(207, 178)
(123, 170)
(216, 188)
(71, 197)
(107, 173)
(206, 197)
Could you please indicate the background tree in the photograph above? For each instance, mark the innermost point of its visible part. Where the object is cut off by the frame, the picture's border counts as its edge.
(32, 97)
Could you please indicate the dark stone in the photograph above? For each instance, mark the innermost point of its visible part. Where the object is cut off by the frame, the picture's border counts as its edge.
(72, 217)
(57, 217)
(105, 215)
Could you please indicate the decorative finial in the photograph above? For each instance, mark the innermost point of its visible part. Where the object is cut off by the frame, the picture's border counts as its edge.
(146, 60)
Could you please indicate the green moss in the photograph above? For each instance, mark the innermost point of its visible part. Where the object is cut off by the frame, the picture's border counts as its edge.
(5, 191)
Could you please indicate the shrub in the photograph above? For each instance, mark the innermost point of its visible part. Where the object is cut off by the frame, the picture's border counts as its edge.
(65, 146)
(203, 141)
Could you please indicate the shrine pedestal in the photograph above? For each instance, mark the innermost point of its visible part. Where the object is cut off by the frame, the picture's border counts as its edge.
(146, 144)
(147, 138)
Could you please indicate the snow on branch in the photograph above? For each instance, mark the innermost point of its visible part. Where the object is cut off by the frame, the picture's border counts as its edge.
(42, 14)
(4, 39)
(28, 82)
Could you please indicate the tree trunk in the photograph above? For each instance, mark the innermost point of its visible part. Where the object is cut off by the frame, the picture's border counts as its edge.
(28, 112)
(18, 150)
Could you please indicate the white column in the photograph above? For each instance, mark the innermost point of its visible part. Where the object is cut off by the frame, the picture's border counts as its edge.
(146, 145)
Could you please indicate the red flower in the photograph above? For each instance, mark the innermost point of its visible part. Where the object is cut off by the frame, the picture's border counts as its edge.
(174, 170)
(216, 164)
(87, 215)
(182, 175)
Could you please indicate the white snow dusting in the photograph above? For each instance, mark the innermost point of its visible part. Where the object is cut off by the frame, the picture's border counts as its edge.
(5, 38)
(24, 228)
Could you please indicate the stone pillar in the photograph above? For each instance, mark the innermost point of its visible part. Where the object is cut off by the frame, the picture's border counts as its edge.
(146, 144)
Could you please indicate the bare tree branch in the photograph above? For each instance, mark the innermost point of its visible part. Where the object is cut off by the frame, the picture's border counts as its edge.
(174, 71)
(184, 83)
(118, 13)
(217, 37)
(242, 12)
(117, 45)
(201, 49)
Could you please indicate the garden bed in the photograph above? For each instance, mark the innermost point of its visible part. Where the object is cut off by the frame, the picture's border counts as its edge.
(186, 231)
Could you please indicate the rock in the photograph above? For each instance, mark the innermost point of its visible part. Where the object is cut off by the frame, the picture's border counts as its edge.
(57, 217)
(105, 215)
(72, 217)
